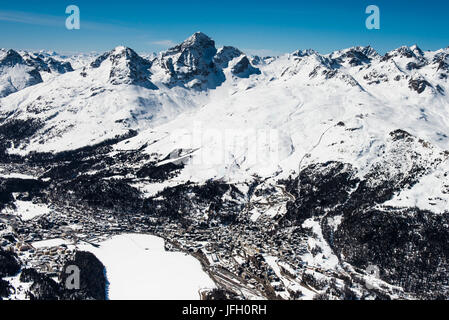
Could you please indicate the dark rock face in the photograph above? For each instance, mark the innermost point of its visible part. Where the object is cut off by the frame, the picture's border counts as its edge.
(28, 76)
(304, 53)
(92, 278)
(58, 66)
(244, 69)
(356, 56)
(196, 63)
(9, 264)
(196, 53)
(193, 60)
(404, 52)
(11, 59)
(47, 64)
(441, 61)
(226, 55)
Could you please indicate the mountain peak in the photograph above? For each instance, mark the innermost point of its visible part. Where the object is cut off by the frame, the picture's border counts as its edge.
(304, 53)
(120, 49)
(226, 54)
(15, 74)
(355, 56)
(118, 53)
(192, 60)
(197, 40)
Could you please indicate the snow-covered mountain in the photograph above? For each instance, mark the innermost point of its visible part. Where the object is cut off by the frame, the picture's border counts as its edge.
(344, 156)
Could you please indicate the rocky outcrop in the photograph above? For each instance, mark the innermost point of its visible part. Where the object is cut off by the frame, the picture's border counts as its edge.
(191, 63)
(226, 55)
(354, 57)
(419, 85)
(243, 68)
(44, 63)
(126, 67)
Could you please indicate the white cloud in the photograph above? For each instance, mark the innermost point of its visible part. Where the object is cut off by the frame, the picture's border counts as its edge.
(164, 43)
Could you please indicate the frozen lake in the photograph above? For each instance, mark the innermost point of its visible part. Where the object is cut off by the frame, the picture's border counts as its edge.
(139, 268)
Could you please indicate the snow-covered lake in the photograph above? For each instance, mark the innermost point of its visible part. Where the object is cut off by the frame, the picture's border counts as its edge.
(139, 268)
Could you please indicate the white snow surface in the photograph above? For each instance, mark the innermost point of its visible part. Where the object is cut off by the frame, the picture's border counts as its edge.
(138, 268)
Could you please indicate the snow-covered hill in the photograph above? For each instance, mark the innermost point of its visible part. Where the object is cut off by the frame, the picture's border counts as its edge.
(15, 73)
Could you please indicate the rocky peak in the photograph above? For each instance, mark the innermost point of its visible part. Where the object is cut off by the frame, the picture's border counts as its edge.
(304, 53)
(442, 60)
(404, 51)
(45, 63)
(413, 52)
(194, 53)
(369, 51)
(15, 74)
(417, 51)
(355, 56)
(10, 58)
(197, 40)
(244, 69)
(127, 67)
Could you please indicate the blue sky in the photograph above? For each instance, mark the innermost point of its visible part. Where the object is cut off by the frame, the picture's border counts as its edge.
(263, 27)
